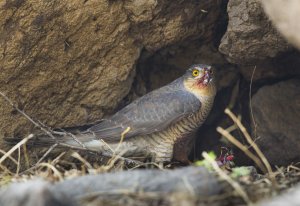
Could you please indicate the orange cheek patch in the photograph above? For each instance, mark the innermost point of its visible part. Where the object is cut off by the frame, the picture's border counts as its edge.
(198, 88)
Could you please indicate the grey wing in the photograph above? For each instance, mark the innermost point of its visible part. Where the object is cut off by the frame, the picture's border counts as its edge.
(150, 113)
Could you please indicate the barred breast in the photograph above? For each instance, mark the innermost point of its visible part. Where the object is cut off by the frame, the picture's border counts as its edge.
(175, 141)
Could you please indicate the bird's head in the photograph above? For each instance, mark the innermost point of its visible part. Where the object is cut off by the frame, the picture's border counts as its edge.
(199, 79)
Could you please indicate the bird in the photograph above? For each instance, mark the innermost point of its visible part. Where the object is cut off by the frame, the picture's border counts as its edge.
(159, 125)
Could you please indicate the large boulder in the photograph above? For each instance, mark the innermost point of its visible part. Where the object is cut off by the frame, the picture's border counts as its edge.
(276, 111)
(285, 16)
(70, 62)
(184, 186)
(250, 36)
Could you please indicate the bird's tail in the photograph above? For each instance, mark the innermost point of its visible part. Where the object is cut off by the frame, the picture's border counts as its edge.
(61, 139)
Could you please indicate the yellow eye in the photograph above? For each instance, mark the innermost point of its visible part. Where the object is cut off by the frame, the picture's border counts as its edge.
(195, 72)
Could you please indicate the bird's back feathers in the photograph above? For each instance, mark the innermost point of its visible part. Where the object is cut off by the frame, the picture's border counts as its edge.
(151, 113)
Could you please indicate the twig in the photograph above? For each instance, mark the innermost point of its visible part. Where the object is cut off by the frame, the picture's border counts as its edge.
(251, 142)
(55, 161)
(26, 156)
(10, 157)
(19, 158)
(64, 132)
(23, 141)
(55, 171)
(113, 159)
(76, 140)
(81, 159)
(227, 178)
(122, 138)
(250, 100)
(46, 153)
(107, 145)
(242, 147)
(27, 117)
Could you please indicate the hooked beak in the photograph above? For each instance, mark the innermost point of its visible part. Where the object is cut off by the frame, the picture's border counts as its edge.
(207, 75)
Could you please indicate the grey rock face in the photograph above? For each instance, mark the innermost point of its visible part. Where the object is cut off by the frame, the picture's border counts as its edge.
(134, 187)
(285, 17)
(290, 198)
(250, 35)
(276, 111)
(32, 193)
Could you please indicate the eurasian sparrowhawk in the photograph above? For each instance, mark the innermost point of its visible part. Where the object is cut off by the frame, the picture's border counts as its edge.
(159, 124)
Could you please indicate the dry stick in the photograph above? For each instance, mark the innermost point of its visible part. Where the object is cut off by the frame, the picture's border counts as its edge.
(122, 138)
(7, 154)
(27, 117)
(42, 158)
(227, 178)
(76, 140)
(4, 168)
(81, 159)
(19, 158)
(242, 147)
(26, 156)
(55, 161)
(119, 156)
(250, 100)
(250, 141)
(113, 159)
(72, 135)
(10, 157)
(114, 156)
(55, 171)
(107, 145)
(46, 153)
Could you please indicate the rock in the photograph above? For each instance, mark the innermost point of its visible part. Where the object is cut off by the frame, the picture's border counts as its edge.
(137, 187)
(32, 193)
(276, 111)
(285, 17)
(290, 198)
(169, 23)
(250, 36)
(63, 63)
(67, 63)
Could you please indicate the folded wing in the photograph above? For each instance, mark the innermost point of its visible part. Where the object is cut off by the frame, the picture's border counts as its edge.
(150, 113)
